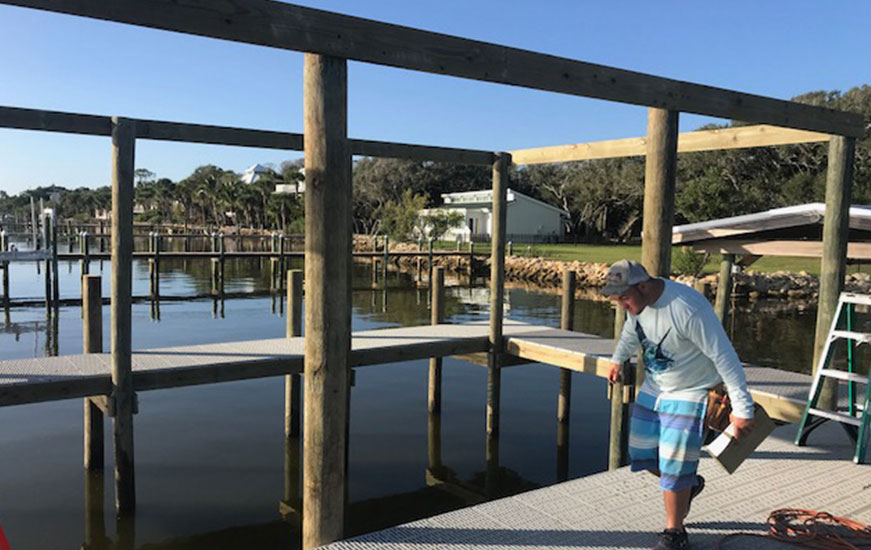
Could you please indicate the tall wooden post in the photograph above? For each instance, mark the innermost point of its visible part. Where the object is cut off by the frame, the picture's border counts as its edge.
(839, 184)
(55, 278)
(659, 184)
(4, 247)
(620, 395)
(429, 262)
(618, 444)
(328, 297)
(34, 224)
(294, 329)
(497, 292)
(564, 400)
(123, 150)
(46, 241)
(386, 260)
(724, 287)
(292, 386)
(92, 342)
(85, 265)
(434, 395)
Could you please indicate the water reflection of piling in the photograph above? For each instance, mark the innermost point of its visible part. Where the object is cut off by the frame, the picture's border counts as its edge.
(95, 505)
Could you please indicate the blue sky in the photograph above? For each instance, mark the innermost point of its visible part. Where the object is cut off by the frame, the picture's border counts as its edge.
(65, 63)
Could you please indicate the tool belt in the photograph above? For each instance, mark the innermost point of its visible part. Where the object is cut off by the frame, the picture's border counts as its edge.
(719, 409)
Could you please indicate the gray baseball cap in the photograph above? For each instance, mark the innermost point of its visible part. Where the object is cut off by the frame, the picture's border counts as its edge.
(622, 275)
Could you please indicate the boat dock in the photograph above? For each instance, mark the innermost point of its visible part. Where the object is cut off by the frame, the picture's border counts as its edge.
(329, 349)
(41, 379)
(621, 510)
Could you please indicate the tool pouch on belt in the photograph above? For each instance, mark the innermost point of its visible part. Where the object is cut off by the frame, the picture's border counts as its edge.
(719, 409)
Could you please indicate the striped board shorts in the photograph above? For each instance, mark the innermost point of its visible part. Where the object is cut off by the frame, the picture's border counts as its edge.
(666, 434)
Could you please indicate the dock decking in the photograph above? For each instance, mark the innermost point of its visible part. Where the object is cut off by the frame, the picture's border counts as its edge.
(782, 393)
(622, 510)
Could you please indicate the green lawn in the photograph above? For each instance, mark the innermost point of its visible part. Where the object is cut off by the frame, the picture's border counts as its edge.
(612, 253)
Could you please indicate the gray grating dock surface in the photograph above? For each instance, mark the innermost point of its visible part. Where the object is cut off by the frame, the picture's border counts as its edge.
(622, 510)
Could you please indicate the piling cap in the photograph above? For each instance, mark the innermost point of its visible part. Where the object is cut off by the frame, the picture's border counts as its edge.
(622, 275)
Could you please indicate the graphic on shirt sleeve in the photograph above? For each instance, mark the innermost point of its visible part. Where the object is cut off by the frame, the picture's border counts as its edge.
(655, 361)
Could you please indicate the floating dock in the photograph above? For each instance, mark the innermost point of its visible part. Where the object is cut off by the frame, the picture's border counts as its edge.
(34, 380)
(621, 510)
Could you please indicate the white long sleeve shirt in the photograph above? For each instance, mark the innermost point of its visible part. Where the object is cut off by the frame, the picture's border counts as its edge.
(685, 347)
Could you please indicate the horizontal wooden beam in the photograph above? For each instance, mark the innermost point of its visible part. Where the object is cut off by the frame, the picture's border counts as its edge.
(97, 125)
(762, 135)
(385, 149)
(218, 135)
(797, 249)
(55, 121)
(290, 27)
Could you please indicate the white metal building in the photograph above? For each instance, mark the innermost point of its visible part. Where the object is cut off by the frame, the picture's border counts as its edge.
(528, 219)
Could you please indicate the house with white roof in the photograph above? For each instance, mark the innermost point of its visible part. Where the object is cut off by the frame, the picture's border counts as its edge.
(527, 219)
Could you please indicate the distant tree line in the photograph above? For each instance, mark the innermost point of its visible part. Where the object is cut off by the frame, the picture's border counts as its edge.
(603, 197)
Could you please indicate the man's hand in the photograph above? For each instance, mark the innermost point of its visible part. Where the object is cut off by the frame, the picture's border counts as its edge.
(743, 426)
(616, 374)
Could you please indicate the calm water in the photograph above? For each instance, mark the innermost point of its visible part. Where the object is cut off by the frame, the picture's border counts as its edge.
(210, 460)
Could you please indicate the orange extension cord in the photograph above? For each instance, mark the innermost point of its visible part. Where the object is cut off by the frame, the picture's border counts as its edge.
(810, 529)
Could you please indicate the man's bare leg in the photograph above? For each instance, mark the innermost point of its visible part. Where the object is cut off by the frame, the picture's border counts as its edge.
(676, 503)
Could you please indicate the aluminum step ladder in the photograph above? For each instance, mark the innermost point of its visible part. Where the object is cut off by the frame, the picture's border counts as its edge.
(854, 418)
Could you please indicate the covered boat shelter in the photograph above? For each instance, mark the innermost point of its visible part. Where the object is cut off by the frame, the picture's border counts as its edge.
(792, 231)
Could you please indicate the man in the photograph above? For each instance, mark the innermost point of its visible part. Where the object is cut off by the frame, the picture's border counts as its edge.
(685, 352)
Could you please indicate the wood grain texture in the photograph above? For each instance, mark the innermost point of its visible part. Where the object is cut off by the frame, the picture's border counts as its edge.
(123, 152)
(290, 27)
(741, 137)
(833, 265)
(328, 297)
(659, 187)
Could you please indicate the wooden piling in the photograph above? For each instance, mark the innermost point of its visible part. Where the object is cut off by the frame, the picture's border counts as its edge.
(123, 151)
(282, 266)
(46, 247)
(328, 297)
(429, 263)
(564, 399)
(836, 228)
(221, 263)
(567, 321)
(621, 395)
(85, 262)
(34, 224)
(154, 265)
(386, 261)
(434, 395)
(497, 292)
(92, 342)
(724, 287)
(4, 246)
(659, 184)
(55, 279)
(618, 440)
(294, 329)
